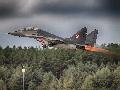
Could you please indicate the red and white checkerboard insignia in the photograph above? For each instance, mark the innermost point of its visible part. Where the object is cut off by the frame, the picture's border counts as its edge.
(41, 40)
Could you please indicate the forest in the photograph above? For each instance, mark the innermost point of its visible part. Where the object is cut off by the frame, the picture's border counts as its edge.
(59, 69)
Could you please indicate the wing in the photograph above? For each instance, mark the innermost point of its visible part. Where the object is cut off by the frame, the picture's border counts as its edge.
(91, 38)
(47, 42)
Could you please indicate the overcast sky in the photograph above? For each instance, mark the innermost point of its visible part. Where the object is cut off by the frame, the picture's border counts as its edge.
(60, 17)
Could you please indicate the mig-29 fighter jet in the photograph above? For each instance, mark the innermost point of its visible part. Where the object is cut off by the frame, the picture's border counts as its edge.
(80, 40)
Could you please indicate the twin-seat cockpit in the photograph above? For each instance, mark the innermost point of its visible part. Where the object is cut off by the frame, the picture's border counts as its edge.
(28, 29)
(25, 32)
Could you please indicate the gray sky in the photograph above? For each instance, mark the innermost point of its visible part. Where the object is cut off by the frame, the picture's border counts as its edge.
(60, 17)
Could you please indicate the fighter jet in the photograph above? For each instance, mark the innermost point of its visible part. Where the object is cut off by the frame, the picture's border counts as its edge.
(78, 41)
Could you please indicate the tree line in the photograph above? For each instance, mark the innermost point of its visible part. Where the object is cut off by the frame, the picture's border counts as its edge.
(59, 69)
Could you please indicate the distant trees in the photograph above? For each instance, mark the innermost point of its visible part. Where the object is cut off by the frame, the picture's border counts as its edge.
(114, 47)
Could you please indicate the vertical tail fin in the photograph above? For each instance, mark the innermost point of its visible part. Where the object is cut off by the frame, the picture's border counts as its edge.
(80, 36)
(91, 38)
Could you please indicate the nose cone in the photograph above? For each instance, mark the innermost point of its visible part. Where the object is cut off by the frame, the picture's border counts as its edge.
(9, 33)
